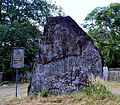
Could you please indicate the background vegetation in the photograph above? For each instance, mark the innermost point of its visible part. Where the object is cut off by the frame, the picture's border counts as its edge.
(21, 25)
(103, 25)
(22, 21)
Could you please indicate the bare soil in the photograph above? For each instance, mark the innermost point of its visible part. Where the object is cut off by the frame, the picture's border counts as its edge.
(10, 91)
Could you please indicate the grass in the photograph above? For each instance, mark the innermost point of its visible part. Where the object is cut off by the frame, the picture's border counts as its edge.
(65, 99)
(113, 83)
(96, 94)
(13, 84)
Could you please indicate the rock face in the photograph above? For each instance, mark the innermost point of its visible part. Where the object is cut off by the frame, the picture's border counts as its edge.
(66, 58)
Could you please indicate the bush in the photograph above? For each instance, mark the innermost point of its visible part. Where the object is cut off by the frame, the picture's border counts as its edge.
(44, 92)
(98, 91)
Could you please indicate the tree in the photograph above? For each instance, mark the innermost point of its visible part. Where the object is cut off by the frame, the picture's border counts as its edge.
(21, 10)
(103, 25)
(18, 35)
(18, 19)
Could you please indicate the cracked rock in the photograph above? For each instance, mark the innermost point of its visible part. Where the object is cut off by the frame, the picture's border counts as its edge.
(66, 58)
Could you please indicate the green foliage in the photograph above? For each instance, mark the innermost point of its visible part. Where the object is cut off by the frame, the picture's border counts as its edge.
(22, 10)
(44, 92)
(56, 10)
(98, 91)
(103, 25)
(18, 35)
(20, 21)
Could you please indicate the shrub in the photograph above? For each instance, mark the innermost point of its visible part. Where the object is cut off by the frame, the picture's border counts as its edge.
(44, 92)
(97, 91)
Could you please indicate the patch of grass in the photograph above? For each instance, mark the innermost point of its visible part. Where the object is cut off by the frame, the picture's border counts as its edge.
(76, 98)
(12, 84)
(113, 83)
(97, 91)
(11, 99)
(96, 94)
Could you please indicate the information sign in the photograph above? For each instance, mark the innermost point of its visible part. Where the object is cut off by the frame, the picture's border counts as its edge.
(18, 57)
(17, 60)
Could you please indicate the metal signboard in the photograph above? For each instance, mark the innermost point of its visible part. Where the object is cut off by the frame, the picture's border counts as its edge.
(18, 57)
(17, 60)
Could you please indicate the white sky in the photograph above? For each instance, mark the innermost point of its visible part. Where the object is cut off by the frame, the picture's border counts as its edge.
(78, 9)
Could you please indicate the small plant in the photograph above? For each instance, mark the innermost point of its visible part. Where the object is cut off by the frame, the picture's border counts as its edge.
(44, 92)
(97, 91)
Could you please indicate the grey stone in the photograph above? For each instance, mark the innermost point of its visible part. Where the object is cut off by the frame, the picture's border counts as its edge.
(66, 58)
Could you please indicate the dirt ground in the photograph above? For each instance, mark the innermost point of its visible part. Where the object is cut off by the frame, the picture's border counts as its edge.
(9, 91)
(115, 89)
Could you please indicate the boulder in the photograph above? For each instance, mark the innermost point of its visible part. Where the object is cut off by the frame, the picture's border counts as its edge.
(66, 58)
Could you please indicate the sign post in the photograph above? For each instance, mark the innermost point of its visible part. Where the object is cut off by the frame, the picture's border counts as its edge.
(17, 60)
(16, 81)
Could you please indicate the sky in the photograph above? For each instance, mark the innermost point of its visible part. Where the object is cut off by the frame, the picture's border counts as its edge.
(78, 9)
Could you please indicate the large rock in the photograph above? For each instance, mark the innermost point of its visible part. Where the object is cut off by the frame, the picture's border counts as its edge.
(66, 58)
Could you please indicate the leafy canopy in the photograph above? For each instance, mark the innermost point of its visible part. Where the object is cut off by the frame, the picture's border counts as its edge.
(18, 19)
(18, 35)
(103, 25)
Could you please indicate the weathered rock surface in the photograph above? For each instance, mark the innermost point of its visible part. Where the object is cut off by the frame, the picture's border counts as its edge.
(67, 56)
